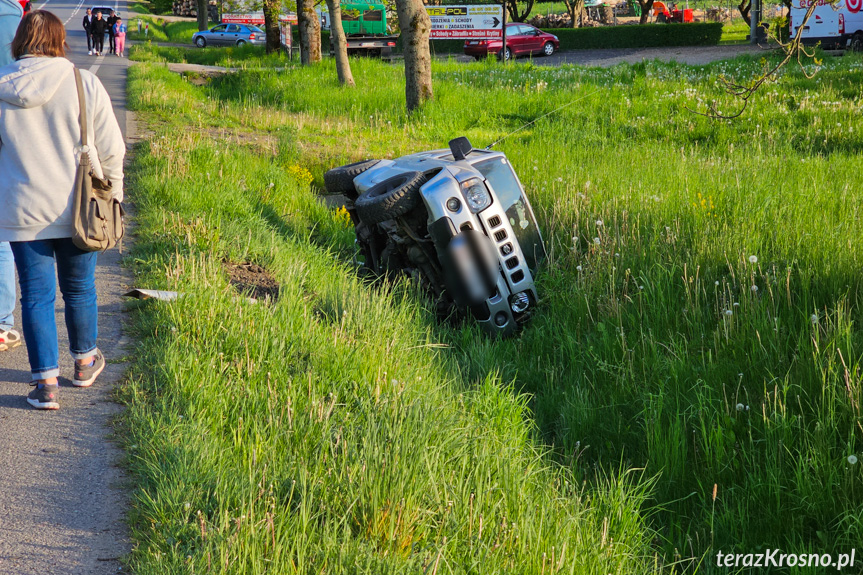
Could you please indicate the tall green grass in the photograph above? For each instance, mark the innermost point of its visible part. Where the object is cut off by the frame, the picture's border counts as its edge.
(697, 327)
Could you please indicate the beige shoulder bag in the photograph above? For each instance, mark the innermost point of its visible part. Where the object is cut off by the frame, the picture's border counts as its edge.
(98, 216)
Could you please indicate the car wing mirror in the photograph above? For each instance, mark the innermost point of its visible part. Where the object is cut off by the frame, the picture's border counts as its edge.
(460, 147)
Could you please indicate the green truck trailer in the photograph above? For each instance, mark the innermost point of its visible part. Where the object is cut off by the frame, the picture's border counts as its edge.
(365, 27)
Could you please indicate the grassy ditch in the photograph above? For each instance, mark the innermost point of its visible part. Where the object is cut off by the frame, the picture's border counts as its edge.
(691, 382)
(329, 429)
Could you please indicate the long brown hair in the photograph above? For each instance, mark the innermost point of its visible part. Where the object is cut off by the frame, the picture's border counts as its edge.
(40, 33)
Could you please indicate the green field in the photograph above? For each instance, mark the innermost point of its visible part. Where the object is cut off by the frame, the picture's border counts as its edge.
(697, 333)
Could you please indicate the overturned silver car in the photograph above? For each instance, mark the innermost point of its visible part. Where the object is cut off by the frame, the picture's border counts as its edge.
(457, 220)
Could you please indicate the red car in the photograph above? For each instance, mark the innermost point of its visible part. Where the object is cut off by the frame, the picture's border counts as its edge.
(521, 39)
(25, 5)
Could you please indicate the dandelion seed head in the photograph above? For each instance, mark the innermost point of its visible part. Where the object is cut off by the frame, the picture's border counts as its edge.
(596, 241)
(740, 407)
(753, 259)
(578, 268)
(599, 223)
(852, 459)
(716, 283)
(754, 288)
(728, 312)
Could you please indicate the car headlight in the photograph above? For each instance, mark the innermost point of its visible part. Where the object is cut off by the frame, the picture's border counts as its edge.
(519, 302)
(476, 195)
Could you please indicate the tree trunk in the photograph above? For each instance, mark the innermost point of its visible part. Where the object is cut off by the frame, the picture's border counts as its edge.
(744, 7)
(415, 25)
(203, 11)
(340, 44)
(512, 9)
(271, 25)
(646, 7)
(310, 32)
(574, 8)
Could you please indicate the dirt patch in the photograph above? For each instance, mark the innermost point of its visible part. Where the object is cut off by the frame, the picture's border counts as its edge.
(252, 280)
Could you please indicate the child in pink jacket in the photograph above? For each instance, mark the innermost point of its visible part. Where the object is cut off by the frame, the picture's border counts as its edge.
(119, 36)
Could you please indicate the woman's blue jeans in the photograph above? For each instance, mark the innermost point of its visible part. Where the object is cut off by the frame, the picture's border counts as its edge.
(76, 272)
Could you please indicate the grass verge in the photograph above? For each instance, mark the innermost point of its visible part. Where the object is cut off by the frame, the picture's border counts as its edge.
(698, 323)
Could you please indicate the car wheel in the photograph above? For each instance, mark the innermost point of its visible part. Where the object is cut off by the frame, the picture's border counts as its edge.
(857, 42)
(548, 49)
(241, 43)
(390, 198)
(200, 42)
(341, 180)
(505, 54)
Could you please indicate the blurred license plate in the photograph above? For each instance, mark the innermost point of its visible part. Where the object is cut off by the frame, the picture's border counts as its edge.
(473, 42)
(367, 44)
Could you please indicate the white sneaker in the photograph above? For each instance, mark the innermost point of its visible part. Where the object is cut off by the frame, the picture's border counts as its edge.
(90, 53)
(9, 339)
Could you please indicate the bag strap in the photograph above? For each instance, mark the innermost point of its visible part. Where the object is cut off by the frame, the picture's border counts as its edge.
(82, 121)
(82, 110)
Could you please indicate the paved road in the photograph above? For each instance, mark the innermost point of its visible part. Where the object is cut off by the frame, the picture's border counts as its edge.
(61, 506)
(605, 58)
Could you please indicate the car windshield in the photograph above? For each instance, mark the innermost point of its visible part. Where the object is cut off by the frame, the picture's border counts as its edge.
(255, 29)
(504, 183)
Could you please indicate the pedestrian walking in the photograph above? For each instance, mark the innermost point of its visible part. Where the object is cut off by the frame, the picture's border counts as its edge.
(119, 37)
(98, 28)
(39, 155)
(88, 30)
(10, 16)
(111, 20)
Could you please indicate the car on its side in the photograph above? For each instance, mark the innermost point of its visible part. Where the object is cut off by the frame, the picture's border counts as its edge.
(521, 40)
(230, 35)
(457, 221)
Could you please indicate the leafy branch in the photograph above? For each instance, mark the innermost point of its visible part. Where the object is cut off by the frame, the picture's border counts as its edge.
(792, 50)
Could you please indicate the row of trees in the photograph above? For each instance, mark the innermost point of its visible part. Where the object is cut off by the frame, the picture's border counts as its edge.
(415, 28)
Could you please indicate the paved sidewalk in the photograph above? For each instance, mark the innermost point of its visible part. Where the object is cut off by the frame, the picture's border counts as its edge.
(61, 503)
(62, 496)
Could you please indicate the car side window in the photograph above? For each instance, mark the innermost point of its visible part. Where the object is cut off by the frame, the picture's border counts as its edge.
(219, 28)
(233, 28)
(523, 30)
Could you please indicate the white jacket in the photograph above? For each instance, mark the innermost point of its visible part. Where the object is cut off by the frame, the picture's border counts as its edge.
(40, 142)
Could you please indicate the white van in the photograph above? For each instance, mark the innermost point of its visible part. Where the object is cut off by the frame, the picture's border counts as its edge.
(833, 25)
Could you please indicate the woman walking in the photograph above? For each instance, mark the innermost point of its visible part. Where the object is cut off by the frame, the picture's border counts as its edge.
(40, 147)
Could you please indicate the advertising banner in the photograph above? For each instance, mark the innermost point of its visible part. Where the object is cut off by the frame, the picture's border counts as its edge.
(466, 22)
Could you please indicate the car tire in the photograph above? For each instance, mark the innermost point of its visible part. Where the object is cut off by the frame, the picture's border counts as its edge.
(200, 42)
(390, 198)
(505, 54)
(857, 42)
(241, 43)
(341, 180)
(548, 49)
